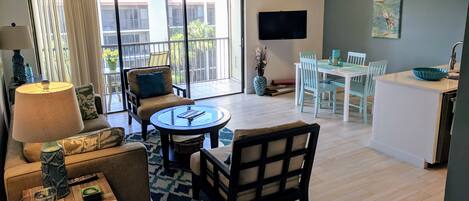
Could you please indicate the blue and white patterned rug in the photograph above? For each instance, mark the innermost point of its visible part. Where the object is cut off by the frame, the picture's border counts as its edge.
(173, 184)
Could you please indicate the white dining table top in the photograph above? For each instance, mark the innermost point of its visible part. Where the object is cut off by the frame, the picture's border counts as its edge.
(347, 70)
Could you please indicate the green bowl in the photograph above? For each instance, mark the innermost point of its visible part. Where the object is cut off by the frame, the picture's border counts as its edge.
(430, 74)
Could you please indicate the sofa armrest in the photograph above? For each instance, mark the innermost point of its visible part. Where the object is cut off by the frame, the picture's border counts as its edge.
(125, 168)
(98, 101)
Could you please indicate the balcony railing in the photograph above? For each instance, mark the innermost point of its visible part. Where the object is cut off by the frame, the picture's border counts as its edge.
(208, 58)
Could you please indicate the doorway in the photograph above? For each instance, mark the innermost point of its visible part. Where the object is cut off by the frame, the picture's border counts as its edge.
(143, 33)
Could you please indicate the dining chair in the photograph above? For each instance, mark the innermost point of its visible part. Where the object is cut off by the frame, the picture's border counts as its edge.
(353, 58)
(359, 59)
(363, 91)
(310, 83)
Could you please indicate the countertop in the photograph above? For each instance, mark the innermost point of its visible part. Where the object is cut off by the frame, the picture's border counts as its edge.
(407, 78)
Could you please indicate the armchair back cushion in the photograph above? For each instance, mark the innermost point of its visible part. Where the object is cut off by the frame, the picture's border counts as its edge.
(165, 71)
(275, 148)
(151, 85)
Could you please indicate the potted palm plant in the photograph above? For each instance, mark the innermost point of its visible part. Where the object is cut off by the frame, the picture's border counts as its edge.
(111, 57)
(260, 82)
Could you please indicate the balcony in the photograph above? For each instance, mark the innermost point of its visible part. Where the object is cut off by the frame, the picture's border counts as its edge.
(210, 69)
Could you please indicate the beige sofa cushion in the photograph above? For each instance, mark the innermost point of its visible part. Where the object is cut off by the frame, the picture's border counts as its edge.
(82, 143)
(95, 124)
(132, 78)
(149, 106)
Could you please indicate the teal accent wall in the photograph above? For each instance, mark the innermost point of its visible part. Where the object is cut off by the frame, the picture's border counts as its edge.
(458, 167)
(429, 28)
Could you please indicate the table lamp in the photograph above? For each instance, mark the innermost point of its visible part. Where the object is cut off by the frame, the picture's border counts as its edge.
(16, 38)
(43, 113)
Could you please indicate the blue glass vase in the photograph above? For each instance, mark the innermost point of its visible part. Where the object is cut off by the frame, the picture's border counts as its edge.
(260, 84)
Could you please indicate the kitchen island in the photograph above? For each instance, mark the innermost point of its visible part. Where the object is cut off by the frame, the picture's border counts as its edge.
(412, 118)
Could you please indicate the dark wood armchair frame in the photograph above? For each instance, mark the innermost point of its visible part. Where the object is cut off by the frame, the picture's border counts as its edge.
(133, 100)
(301, 193)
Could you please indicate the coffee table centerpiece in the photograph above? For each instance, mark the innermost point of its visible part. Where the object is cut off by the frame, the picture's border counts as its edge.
(189, 120)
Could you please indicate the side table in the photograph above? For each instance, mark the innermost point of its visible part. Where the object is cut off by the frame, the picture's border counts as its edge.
(75, 191)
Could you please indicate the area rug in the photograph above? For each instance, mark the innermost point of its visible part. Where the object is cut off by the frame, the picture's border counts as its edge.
(174, 184)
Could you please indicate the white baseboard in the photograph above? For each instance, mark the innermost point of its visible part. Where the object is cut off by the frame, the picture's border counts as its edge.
(398, 154)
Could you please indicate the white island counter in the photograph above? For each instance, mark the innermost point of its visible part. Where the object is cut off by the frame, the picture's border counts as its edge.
(406, 117)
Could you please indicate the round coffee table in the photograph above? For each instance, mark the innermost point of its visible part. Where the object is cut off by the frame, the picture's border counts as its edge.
(168, 123)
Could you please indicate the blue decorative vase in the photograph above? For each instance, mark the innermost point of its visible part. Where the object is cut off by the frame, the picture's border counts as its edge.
(260, 84)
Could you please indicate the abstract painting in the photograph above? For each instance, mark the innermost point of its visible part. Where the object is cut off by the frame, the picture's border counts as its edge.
(387, 19)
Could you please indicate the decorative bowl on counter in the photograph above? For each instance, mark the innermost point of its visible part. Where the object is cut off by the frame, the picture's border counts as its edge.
(430, 74)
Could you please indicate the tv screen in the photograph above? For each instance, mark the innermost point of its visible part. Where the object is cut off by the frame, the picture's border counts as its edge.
(282, 25)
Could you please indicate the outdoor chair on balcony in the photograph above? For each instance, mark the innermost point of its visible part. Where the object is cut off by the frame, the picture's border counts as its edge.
(141, 109)
(158, 59)
(262, 164)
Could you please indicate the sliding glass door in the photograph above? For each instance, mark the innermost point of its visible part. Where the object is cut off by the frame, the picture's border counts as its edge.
(153, 33)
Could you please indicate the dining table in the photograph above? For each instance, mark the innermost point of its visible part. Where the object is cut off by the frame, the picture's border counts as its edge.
(346, 70)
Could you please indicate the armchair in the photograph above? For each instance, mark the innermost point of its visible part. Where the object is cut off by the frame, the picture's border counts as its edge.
(262, 164)
(141, 109)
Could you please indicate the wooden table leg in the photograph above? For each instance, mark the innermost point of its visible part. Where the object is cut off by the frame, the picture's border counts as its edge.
(165, 149)
(214, 138)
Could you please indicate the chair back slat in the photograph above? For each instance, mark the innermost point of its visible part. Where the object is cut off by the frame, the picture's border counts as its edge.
(358, 59)
(158, 59)
(286, 164)
(375, 69)
(261, 172)
(309, 71)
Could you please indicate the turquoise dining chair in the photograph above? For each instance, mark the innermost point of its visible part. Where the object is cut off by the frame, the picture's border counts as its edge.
(353, 58)
(359, 59)
(311, 84)
(363, 91)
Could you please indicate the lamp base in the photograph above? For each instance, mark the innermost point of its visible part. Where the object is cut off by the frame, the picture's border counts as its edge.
(53, 169)
(19, 72)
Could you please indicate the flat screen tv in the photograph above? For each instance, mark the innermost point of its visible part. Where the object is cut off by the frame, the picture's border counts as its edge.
(282, 25)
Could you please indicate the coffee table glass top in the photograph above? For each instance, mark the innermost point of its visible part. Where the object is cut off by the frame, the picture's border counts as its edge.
(169, 117)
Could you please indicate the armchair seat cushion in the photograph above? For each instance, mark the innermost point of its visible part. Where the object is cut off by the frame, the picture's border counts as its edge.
(149, 106)
(95, 124)
(220, 153)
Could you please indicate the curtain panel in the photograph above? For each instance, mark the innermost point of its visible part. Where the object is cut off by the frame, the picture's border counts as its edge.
(84, 39)
(69, 40)
(52, 40)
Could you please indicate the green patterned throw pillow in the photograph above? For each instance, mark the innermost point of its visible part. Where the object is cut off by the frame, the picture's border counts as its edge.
(85, 96)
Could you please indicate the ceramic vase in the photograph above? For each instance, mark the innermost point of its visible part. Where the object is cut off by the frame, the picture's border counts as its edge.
(260, 84)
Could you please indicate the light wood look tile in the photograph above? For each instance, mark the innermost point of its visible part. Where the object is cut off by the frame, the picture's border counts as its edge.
(345, 168)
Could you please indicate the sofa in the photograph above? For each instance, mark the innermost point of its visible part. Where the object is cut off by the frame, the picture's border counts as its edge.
(121, 165)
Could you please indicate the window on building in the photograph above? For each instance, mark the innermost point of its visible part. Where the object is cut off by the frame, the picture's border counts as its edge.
(211, 14)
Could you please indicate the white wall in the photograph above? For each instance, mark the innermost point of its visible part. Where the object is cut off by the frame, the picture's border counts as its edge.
(15, 11)
(283, 53)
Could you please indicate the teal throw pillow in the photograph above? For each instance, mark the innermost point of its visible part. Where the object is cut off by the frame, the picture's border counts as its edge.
(151, 85)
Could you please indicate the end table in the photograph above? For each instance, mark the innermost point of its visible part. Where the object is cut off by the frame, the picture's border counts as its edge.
(75, 191)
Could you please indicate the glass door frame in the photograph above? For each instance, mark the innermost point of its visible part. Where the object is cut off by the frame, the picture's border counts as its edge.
(186, 49)
(186, 45)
